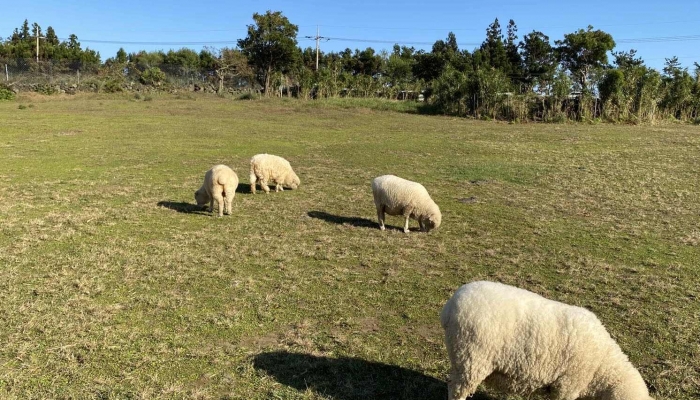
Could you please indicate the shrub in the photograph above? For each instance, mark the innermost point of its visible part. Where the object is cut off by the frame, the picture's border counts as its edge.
(91, 85)
(153, 76)
(22, 107)
(46, 89)
(6, 93)
(112, 86)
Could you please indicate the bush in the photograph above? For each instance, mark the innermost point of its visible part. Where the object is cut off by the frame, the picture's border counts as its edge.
(153, 76)
(247, 96)
(6, 93)
(22, 107)
(91, 85)
(46, 89)
(112, 86)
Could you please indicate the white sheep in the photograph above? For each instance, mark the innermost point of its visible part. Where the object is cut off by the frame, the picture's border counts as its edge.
(220, 184)
(266, 168)
(520, 342)
(398, 196)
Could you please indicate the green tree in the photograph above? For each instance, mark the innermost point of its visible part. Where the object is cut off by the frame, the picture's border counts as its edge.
(24, 33)
(539, 61)
(121, 56)
(515, 61)
(429, 66)
(51, 37)
(270, 45)
(493, 50)
(583, 51)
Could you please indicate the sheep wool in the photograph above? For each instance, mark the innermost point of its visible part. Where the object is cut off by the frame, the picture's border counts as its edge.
(398, 196)
(266, 168)
(519, 342)
(220, 184)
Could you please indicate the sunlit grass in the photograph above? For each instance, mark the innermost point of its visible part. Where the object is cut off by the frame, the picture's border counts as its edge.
(112, 286)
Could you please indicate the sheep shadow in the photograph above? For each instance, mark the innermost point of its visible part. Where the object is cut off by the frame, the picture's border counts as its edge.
(182, 207)
(355, 221)
(348, 378)
(243, 188)
(338, 219)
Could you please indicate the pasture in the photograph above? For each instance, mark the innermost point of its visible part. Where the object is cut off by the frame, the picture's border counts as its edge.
(113, 285)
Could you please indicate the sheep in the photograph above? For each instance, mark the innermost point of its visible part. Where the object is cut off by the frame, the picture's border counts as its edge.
(265, 168)
(398, 196)
(519, 342)
(220, 184)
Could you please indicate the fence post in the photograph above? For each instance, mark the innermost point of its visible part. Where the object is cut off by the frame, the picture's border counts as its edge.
(7, 75)
(78, 71)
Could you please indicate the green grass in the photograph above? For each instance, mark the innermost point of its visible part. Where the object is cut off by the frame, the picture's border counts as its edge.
(112, 285)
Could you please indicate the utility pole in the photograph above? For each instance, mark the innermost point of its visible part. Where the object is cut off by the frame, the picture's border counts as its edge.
(37, 42)
(318, 39)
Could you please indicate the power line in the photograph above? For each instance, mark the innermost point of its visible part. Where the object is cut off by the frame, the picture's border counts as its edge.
(418, 29)
(156, 43)
(657, 39)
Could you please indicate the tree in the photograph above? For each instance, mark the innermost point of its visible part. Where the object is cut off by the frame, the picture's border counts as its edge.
(24, 33)
(539, 60)
(515, 61)
(672, 67)
(627, 59)
(51, 38)
(270, 46)
(493, 50)
(429, 66)
(121, 56)
(583, 51)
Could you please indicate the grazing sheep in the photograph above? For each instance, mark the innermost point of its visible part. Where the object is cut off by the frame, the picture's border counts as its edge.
(220, 184)
(266, 168)
(520, 342)
(398, 196)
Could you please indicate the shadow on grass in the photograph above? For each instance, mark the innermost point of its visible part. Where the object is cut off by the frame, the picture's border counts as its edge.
(243, 188)
(351, 378)
(338, 219)
(181, 207)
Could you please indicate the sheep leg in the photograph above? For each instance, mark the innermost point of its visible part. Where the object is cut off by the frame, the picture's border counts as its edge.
(220, 202)
(263, 185)
(465, 379)
(279, 188)
(468, 368)
(405, 226)
(211, 204)
(422, 225)
(230, 194)
(380, 217)
(253, 179)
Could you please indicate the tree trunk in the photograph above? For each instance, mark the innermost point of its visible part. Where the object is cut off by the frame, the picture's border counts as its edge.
(221, 81)
(267, 81)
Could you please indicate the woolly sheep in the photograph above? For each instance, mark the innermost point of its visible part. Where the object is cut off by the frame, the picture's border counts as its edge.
(398, 196)
(266, 168)
(220, 184)
(519, 342)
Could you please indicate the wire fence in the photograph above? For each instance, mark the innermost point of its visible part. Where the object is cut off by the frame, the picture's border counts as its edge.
(69, 76)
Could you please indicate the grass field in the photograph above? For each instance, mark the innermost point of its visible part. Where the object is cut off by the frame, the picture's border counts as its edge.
(114, 286)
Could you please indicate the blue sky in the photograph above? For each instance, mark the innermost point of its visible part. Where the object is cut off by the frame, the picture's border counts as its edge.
(656, 29)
